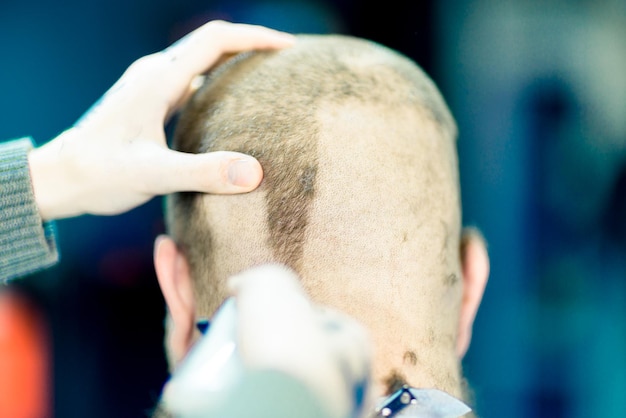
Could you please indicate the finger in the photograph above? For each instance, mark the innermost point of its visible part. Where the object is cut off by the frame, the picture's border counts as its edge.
(272, 307)
(174, 70)
(219, 172)
(278, 329)
(198, 51)
(277, 325)
(277, 280)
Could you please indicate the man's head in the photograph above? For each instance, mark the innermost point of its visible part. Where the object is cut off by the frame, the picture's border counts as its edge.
(360, 197)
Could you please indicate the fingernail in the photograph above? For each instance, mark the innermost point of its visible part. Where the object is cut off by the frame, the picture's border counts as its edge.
(244, 172)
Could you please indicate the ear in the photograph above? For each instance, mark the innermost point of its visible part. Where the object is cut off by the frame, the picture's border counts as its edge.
(172, 270)
(475, 266)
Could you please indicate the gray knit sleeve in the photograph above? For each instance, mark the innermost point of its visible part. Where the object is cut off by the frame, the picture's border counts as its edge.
(27, 244)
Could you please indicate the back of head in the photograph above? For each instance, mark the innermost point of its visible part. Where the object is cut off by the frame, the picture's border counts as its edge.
(360, 193)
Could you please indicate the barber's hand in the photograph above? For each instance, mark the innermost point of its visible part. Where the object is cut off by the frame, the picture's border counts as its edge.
(116, 157)
(280, 328)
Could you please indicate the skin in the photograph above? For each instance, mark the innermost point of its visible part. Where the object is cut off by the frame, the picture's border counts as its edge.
(116, 157)
(385, 247)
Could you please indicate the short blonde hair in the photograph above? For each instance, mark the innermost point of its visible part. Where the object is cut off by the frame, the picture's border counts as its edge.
(263, 104)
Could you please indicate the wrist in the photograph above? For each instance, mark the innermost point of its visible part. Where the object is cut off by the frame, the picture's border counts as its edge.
(52, 182)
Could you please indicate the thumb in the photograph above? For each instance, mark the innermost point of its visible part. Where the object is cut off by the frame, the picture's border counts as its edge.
(220, 172)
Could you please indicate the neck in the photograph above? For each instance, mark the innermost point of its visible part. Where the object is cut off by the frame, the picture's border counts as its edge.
(431, 365)
(410, 320)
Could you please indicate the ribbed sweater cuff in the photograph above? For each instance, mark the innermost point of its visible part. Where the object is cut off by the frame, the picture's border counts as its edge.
(27, 244)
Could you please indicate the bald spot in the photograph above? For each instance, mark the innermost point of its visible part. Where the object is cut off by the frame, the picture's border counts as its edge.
(360, 194)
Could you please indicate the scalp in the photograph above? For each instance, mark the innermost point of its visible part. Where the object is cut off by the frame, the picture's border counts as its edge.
(276, 106)
(360, 193)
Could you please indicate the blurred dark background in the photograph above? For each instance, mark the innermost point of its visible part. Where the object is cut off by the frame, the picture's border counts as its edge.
(539, 93)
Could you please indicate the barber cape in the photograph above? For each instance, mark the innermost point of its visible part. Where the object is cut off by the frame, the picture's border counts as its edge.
(420, 403)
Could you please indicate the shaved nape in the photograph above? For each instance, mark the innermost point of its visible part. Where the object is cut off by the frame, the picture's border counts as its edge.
(394, 382)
